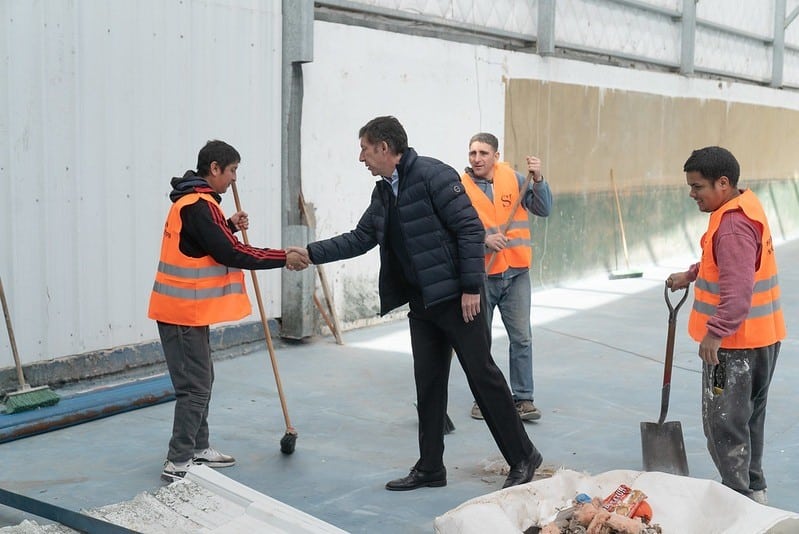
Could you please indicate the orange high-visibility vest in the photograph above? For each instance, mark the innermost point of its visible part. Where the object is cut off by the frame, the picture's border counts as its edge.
(194, 291)
(519, 252)
(764, 325)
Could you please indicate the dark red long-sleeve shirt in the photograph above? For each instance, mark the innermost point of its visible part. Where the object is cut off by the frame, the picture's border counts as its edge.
(736, 245)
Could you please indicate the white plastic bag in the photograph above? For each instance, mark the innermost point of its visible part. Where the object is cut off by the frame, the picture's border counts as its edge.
(679, 504)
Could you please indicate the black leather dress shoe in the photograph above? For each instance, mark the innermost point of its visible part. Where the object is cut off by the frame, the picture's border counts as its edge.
(419, 479)
(523, 472)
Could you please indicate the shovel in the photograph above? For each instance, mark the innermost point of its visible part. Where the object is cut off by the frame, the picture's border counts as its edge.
(662, 443)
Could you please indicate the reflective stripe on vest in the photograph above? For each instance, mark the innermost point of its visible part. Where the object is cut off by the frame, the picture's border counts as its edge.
(518, 252)
(755, 311)
(764, 325)
(194, 272)
(194, 291)
(197, 294)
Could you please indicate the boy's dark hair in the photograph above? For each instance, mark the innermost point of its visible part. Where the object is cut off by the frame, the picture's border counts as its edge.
(487, 138)
(713, 162)
(216, 151)
(386, 129)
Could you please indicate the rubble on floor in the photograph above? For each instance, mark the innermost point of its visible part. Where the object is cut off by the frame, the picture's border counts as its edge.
(204, 502)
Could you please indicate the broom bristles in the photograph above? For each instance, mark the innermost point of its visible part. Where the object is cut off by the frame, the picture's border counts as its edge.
(617, 275)
(30, 399)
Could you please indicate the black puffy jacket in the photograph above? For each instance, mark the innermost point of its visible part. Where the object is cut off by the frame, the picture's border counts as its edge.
(442, 233)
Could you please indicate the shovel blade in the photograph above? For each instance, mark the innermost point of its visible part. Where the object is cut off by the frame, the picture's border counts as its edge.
(663, 448)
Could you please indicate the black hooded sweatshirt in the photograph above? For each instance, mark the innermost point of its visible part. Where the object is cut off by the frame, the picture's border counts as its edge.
(205, 231)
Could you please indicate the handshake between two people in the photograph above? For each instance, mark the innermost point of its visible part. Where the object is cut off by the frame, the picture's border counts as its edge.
(297, 258)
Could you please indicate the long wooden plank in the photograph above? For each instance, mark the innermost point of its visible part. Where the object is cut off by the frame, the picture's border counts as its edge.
(308, 216)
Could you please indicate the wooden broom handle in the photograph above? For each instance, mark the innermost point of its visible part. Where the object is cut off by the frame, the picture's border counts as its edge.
(268, 337)
(11, 339)
(516, 204)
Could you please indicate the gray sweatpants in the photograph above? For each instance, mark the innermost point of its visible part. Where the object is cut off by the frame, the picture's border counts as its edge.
(187, 350)
(734, 414)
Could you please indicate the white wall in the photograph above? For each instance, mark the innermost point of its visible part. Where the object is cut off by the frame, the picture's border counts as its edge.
(101, 103)
(442, 92)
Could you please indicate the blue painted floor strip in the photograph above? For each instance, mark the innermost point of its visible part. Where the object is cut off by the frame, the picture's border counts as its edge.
(87, 406)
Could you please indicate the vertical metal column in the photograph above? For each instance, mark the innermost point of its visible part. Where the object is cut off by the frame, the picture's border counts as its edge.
(296, 288)
(778, 45)
(297, 41)
(545, 40)
(688, 37)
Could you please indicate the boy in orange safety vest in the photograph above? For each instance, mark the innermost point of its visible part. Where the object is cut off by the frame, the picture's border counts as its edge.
(199, 282)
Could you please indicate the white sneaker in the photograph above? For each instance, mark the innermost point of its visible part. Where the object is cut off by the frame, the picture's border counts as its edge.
(476, 413)
(759, 497)
(175, 470)
(213, 458)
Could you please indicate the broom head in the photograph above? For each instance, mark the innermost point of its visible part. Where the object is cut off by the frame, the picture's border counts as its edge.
(618, 275)
(30, 399)
(289, 441)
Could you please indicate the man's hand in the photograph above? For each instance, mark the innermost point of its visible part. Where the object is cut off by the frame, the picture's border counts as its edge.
(534, 166)
(677, 281)
(709, 349)
(496, 242)
(240, 220)
(470, 305)
(297, 258)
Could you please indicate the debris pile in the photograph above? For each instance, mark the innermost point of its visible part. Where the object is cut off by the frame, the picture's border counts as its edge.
(625, 511)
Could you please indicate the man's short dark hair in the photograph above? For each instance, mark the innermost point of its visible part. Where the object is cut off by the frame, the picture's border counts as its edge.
(487, 138)
(713, 162)
(216, 151)
(386, 129)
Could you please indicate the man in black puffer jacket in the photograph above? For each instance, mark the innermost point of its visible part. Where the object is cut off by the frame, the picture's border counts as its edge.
(432, 257)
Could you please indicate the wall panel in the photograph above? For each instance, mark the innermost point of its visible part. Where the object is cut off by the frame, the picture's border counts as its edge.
(103, 102)
(644, 138)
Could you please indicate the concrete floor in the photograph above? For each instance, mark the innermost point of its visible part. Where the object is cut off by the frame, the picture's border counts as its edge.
(599, 348)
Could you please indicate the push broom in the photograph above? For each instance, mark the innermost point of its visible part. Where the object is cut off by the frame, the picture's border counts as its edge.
(26, 397)
(289, 440)
(629, 273)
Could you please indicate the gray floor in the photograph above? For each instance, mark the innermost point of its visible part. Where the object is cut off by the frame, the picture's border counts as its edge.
(599, 347)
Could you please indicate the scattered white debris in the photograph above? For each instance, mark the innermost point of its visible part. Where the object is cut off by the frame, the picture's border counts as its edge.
(204, 502)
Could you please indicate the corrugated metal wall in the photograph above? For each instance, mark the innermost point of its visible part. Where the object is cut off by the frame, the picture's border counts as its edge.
(735, 39)
(101, 103)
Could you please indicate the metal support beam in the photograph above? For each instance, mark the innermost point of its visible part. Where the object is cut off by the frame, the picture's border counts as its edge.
(778, 46)
(297, 41)
(790, 18)
(688, 37)
(297, 49)
(545, 41)
(297, 291)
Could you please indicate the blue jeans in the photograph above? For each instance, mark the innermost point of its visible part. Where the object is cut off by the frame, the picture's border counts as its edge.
(513, 295)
